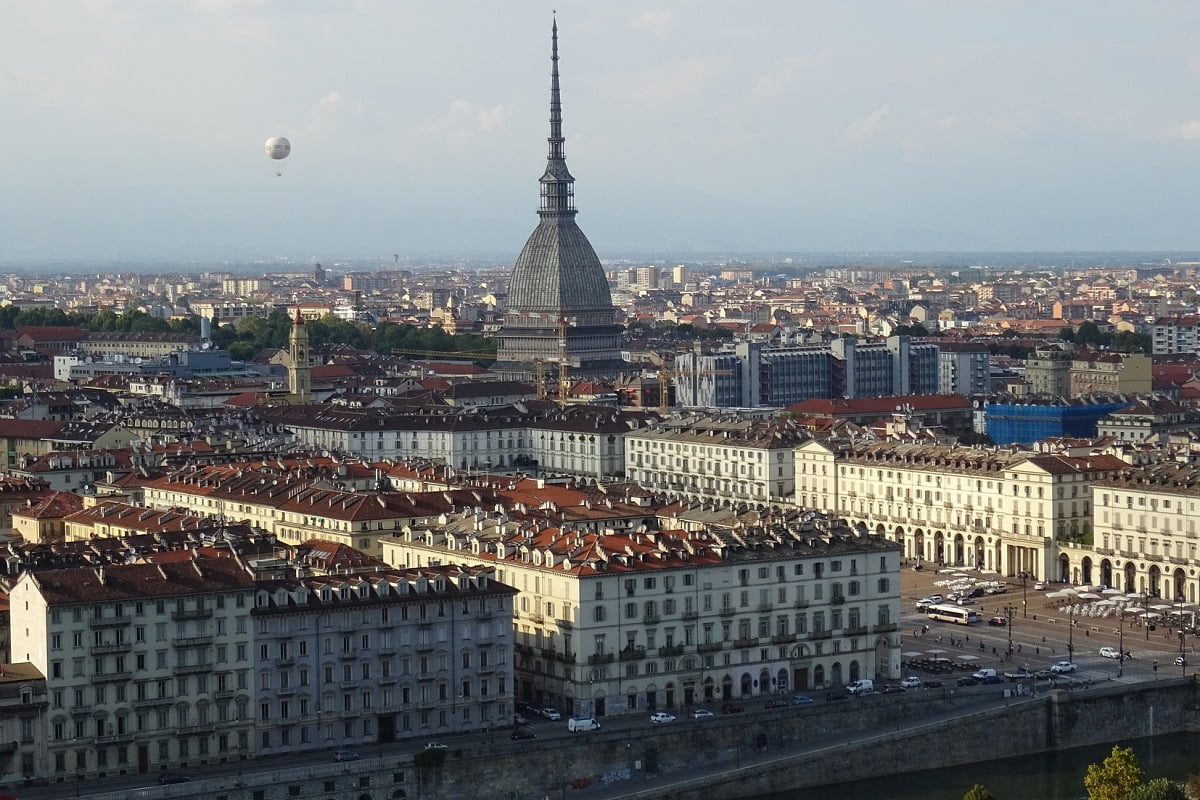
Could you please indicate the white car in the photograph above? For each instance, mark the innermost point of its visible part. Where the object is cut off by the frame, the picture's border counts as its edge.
(933, 599)
(435, 746)
(911, 682)
(1063, 667)
(1110, 652)
(551, 714)
(661, 716)
(701, 713)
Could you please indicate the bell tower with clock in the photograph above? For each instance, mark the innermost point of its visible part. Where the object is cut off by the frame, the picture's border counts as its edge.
(300, 371)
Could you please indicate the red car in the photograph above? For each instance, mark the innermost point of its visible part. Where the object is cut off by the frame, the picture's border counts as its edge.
(999, 622)
(730, 708)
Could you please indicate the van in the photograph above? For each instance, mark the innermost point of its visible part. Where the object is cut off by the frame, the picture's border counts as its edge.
(864, 686)
(578, 724)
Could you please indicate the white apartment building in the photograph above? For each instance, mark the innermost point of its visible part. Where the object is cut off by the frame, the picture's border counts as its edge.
(612, 623)
(576, 440)
(961, 506)
(1146, 534)
(723, 459)
(148, 666)
(353, 659)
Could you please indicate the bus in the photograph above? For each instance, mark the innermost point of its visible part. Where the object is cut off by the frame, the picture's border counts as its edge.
(956, 614)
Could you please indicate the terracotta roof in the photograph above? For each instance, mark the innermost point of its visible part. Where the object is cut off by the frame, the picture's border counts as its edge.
(140, 581)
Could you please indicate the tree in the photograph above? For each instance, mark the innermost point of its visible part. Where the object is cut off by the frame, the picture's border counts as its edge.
(978, 792)
(1116, 777)
(1157, 789)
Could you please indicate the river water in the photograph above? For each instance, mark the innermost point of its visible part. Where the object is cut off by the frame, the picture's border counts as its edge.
(1044, 776)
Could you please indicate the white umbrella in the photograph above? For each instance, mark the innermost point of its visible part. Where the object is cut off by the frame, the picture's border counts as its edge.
(1136, 595)
(968, 658)
(911, 655)
(1105, 602)
(1111, 591)
(1160, 607)
(1088, 596)
(1057, 595)
(935, 652)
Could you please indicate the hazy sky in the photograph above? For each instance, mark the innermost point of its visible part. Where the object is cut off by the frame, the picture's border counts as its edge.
(134, 130)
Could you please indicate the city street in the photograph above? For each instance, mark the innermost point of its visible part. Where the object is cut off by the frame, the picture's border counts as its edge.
(1041, 634)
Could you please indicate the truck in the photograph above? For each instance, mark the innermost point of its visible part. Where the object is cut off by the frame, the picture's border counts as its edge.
(580, 724)
(1019, 674)
(859, 687)
(984, 674)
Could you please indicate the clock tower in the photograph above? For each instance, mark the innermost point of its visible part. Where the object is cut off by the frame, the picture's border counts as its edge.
(300, 370)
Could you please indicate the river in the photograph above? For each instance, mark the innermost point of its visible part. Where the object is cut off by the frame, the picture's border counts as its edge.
(1044, 776)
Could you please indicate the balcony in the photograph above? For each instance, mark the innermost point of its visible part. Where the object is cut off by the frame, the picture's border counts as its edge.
(424, 647)
(523, 649)
(192, 669)
(1152, 557)
(801, 604)
(783, 638)
(350, 655)
(1104, 551)
(194, 613)
(651, 619)
(224, 694)
(633, 653)
(536, 617)
(690, 615)
(153, 702)
(886, 627)
(483, 615)
(765, 607)
(565, 624)
(708, 647)
(193, 641)
(601, 658)
(112, 677)
(386, 680)
(106, 649)
(727, 611)
(838, 599)
(747, 642)
(284, 661)
(821, 635)
(115, 738)
(670, 651)
(859, 630)
(109, 622)
(189, 730)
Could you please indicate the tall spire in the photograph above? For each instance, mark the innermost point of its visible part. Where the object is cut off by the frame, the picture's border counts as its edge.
(558, 191)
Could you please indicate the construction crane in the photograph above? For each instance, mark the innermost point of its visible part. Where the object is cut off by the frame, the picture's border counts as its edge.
(564, 377)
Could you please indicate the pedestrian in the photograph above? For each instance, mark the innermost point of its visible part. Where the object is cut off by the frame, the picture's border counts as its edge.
(1037, 651)
(1018, 648)
(993, 651)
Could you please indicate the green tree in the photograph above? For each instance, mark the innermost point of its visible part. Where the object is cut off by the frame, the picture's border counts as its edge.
(1117, 776)
(1131, 342)
(1157, 789)
(978, 792)
(1089, 333)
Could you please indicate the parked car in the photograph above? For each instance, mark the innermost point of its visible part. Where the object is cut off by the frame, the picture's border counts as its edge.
(1110, 652)
(933, 684)
(777, 704)
(519, 719)
(345, 755)
(730, 708)
(551, 714)
(892, 688)
(933, 598)
(801, 700)
(991, 679)
(967, 681)
(911, 682)
(836, 695)
(983, 672)
(1063, 667)
(523, 733)
(661, 716)
(1040, 585)
(701, 713)
(170, 777)
(999, 622)
(1044, 675)
(435, 746)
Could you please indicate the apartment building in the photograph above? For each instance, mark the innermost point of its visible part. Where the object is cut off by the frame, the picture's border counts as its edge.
(621, 622)
(1001, 510)
(1146, 528)
(147, 666)
(345, 660)
(725, 459)
(1176, 335)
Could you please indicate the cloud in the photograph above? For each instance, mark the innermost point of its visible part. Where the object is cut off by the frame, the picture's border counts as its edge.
(785, 72)
(671, 81)
(331, 103)
(465, 119)
(1188, 131)
(655, 22)
(862, 130)
(494, 118)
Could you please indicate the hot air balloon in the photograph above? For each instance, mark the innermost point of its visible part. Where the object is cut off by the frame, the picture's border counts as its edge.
(278, 148)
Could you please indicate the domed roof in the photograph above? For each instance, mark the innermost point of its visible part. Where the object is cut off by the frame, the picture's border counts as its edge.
(558, 271)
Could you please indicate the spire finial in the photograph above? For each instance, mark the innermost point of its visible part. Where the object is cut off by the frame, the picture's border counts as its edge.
(557, 192)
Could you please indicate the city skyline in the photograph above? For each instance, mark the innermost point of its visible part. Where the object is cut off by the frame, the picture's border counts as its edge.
(135, 133)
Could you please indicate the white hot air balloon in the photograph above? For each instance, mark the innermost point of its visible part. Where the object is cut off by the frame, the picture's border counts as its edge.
(278, 148)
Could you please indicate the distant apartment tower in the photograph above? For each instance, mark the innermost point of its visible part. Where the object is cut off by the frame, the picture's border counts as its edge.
(1048, 371)
(963, 369)
(1176, 335)
(754, 375)
(679, 275)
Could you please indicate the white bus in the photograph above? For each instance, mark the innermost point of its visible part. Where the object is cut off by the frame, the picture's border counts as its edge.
(956, 614)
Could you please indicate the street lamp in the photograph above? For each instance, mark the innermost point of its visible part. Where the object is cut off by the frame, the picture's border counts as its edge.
(1009, 613)
(1071, 635)
(1179, 622)
(1025, 594)
(1121, 643)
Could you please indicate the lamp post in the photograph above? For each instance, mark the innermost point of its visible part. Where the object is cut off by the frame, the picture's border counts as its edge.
(1025, 594)
(1179, 622)
(1071, 636)
(1121, 643)
(1009, 613)
(1146, 615)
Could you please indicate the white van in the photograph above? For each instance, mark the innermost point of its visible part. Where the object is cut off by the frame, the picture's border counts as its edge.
(578, 724)
(864, 686)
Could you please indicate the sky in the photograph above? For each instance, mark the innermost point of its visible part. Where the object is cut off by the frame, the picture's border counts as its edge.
(134, 130)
